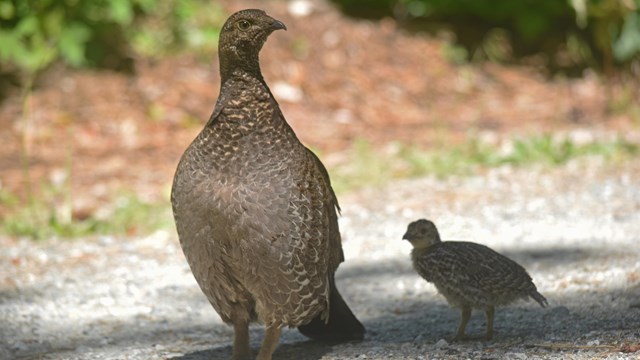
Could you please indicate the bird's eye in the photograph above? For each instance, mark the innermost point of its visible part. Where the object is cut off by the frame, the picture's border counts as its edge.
(243, 24)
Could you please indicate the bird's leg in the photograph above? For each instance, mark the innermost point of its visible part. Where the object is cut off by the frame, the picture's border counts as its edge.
(271, 339)
(241, 348)
(489, 312)
(465, 314)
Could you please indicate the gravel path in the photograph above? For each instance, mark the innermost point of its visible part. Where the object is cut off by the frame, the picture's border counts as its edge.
(576, 229)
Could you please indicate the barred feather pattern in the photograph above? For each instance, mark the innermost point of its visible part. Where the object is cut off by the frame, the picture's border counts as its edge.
(470, 274)
(255, 212)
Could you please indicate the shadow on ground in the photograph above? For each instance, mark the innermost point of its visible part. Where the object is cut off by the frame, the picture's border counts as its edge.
(312, 350)
(392, 317)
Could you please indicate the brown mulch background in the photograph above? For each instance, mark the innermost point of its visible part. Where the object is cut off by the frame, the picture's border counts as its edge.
(337, 79)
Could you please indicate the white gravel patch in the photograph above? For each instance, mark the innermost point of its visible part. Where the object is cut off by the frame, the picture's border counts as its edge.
(575, 228)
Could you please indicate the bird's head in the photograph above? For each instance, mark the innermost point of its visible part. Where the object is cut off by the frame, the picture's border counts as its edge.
(242, 37)
(422, 233)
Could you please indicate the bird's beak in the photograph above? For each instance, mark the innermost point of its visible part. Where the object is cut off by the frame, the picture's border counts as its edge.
(278, 25)
(405, 236)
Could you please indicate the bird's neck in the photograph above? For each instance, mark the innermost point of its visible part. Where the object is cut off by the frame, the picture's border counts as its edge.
(425, 244)
(231, 66)
(421, 247)
(248, 106)
(241, 88)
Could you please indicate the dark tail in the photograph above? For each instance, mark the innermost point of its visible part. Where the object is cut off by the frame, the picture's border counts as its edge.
(342, 324)
(535, 295)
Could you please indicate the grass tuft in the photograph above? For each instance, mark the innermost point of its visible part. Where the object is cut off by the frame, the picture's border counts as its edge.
(369, 166)
(126, 215)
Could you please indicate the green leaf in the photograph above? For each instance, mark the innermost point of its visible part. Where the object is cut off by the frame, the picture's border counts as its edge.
(147, 5)
(10, 44)
(39, 57)
(627, 45)
(72, 43)
(121, 11)
(27, 26)
(7, 10)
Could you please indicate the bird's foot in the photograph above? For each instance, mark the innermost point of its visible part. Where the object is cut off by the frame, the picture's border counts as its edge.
(456, 338)
(242, 355)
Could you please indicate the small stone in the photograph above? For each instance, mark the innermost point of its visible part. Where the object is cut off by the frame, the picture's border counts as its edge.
(593, 343)
(19, 346)
(106, 301)
(406, 346)
(561, 310)
(440, 344)
(106, 240)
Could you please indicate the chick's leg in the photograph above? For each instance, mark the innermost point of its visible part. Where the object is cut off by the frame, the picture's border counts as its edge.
(465, 314)
(489, 313)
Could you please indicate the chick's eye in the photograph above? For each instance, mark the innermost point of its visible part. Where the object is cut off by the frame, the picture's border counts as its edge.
(243, 24)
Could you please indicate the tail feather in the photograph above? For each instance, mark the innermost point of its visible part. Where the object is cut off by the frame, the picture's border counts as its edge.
(341, 326)
(535, 295)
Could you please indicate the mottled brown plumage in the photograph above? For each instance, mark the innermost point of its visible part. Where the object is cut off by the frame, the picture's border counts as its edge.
(254, 208)
(468, 275)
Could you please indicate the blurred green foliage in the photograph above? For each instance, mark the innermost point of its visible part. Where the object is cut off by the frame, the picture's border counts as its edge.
(126, 215)
(601, 33)
(174, 25)
(529, 18)
(370, 166)
(35, 33)
(109, 33)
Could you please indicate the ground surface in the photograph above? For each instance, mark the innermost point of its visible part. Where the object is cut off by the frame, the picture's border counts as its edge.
(574, 228)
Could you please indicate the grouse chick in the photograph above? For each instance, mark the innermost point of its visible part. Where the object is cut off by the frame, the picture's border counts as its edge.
(469, 275)
(254, 209)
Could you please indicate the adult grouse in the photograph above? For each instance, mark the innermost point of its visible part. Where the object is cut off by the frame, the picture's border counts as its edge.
(254, 208)
(469, 275)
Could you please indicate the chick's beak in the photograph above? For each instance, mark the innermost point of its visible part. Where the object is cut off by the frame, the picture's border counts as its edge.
(405, 236)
